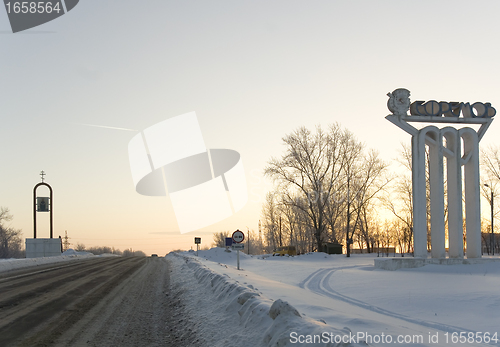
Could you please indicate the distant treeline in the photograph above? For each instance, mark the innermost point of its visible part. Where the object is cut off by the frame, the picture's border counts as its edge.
(80, 247)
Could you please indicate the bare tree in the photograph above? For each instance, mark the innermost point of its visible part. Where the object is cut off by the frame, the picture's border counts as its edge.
(490, 162)
(490, 189)
(287, 223)
(220, 238)
(309, 171)
(80, 247)
(325, 183)
(351, 152)
(366, 184)
(254, 243)
(490, 174)
(271, 222)
(131, 253)
(400, 202)
(10, 238)
(399, 199)
(387, 236)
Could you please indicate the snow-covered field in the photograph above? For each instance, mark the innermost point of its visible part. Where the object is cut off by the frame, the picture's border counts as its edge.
(69, 255)
(293, 301)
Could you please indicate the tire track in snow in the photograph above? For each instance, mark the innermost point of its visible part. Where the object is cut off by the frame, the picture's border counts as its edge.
(319, 283)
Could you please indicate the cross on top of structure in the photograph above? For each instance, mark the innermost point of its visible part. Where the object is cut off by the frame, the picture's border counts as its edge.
(42, 174)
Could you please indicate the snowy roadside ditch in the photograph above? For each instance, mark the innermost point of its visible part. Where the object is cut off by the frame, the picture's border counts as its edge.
(232, 313)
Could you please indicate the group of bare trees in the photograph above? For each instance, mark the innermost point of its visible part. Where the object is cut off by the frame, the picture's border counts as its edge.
(325, 186)
(10, 238)
(328, 188)
(220, 238)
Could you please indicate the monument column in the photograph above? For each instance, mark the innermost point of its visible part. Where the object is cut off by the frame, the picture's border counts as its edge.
(472, 196)
(419, 198)
(436, 182)
(454, 185)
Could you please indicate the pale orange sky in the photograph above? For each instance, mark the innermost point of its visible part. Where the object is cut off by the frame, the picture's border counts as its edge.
(251, 70)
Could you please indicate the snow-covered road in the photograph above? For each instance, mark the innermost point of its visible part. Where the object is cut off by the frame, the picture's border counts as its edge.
(111, 301)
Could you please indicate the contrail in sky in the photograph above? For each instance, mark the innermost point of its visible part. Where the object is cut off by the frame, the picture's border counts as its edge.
(106, 127)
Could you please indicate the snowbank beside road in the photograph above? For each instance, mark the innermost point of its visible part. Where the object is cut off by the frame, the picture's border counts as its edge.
(238, 314)
(70, 254)
(385, 308)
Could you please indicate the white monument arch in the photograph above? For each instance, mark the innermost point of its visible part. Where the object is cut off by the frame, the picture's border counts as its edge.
(461, 149)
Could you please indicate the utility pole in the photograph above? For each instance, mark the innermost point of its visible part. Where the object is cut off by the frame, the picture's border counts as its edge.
(260, 238)
(348, 240)
(281, 241)
(492, 238)
(248, 233)
(66, 240)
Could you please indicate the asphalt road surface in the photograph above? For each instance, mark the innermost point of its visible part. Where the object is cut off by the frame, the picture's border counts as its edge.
(111, 301)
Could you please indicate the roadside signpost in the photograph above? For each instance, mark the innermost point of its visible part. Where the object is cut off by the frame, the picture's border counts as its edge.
(229, 243)
(238, 238)
(197, 241)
